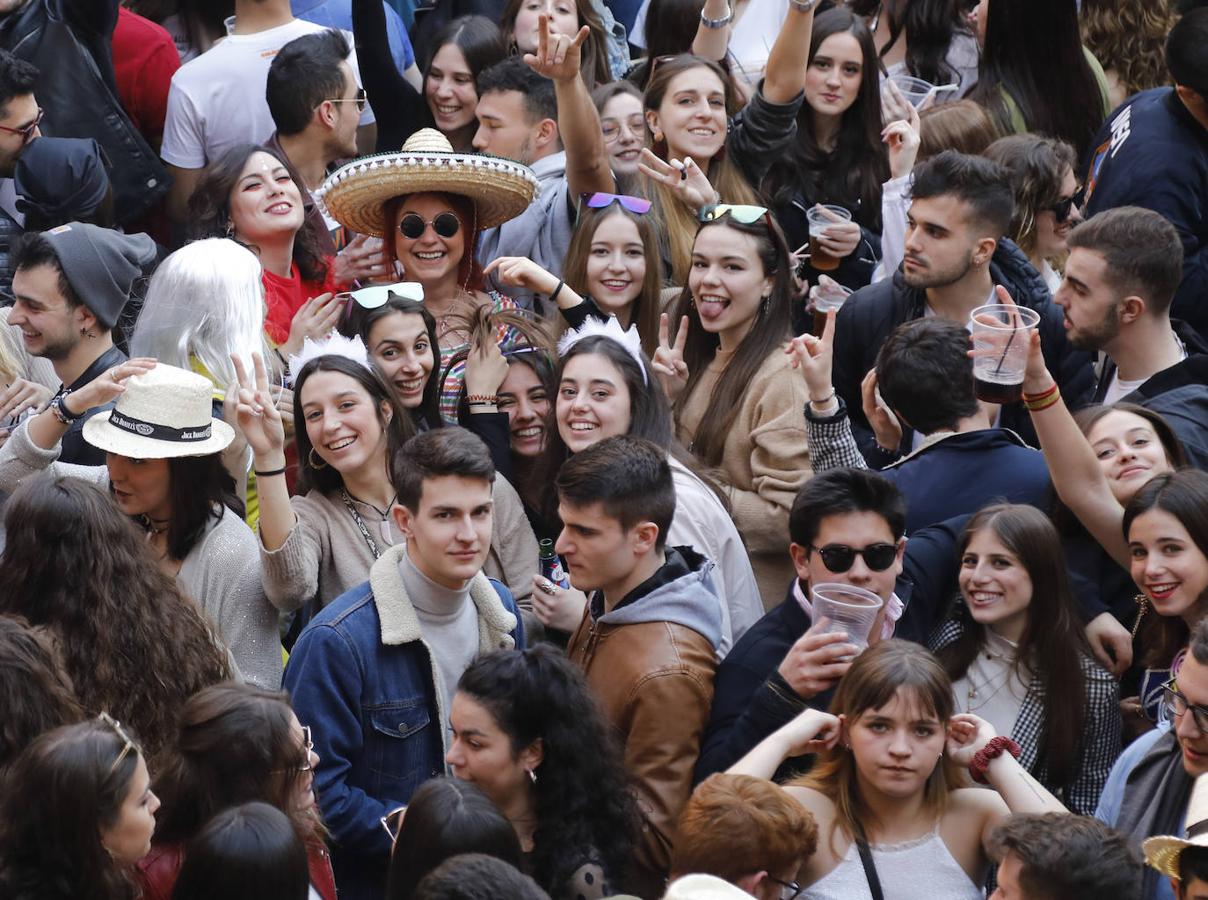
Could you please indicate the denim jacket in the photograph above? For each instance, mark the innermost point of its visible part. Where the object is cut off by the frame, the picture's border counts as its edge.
(362, 677)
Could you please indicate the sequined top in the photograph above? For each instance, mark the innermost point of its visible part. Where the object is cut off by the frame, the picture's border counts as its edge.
(922, 869)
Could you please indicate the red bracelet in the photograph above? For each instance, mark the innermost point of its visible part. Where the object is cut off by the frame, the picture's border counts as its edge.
(993, 750)
(1035, 398)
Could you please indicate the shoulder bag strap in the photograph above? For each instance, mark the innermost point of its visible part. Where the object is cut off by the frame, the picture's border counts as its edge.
(870, 869)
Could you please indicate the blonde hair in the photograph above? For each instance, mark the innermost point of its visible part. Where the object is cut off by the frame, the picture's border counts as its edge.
(872, 681)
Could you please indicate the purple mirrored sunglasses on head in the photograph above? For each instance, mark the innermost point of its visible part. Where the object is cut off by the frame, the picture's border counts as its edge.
(637, 205)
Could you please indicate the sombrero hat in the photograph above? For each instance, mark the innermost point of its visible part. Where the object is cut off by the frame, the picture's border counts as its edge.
(355, 195)
(1162, 852)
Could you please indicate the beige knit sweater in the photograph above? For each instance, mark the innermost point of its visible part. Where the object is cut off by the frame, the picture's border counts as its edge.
(765, 461)
(325, 553)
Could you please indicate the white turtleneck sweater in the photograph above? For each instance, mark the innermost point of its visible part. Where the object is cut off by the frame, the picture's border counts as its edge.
(999, 687)
(449, 621)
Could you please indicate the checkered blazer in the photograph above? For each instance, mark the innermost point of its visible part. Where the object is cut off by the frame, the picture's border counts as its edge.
(1101, 731)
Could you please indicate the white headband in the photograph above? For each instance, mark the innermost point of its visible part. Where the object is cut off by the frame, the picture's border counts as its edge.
(334, 344)
(629, 340)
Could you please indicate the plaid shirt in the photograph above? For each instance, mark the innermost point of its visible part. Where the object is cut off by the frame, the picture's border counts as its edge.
(1101, 731)
(831, 442)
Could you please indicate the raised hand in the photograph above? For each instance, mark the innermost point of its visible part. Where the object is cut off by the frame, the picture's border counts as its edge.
(520, 271)
(315, 319)
(901, 137)
(813, 356)
(107, 386)
(810, 732)
(685, 178)
(668, 362)
(485, 370)
(886, 428)
(817, 661)
(257, 414)
(894, 107)
(558, 55)
(967, 734)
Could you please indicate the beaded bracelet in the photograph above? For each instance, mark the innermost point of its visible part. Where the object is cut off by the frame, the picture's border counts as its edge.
(481, 399)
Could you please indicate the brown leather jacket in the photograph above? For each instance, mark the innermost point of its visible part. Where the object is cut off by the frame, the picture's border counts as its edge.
(653, 676)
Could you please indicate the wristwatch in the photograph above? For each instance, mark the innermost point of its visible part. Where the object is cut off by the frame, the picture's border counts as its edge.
(61, 412)
(803, 6)
(724, 20)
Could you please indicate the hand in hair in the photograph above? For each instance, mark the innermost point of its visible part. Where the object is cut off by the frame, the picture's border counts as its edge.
(668, 362)
(685, 179)
(1110, 642)
(967, 734)
(257, 415)
(810, 732)
(22, 395)
(902, 138)
(558, 55)
(485, 370)
(315, 319)
(817, 661)
(813, 356)
(886, 429)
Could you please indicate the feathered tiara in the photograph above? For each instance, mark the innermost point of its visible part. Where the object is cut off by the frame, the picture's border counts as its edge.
(334, 344)
(612, 330)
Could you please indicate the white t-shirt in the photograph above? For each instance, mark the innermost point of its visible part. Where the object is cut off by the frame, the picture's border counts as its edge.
(1119, 389)
(217, 100)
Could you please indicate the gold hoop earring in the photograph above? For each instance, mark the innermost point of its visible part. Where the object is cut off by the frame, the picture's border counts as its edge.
(315, 465)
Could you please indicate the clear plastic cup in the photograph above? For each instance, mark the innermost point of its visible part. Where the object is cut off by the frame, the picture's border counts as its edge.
(848, 609)
(1003, 334)
(917, 91)
(826, 295)
(819, 220)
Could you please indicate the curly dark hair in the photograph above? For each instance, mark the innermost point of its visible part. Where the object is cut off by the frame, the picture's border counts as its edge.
(210, 207)
(133, 644)
(582, 793)
(61, 792)
(233, 746)
(34, 693)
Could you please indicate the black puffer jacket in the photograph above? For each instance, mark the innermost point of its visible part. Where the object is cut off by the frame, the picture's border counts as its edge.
(870, 314)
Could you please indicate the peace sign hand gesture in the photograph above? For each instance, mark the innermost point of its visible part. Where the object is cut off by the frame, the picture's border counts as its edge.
(685, 178)
(668, 359)
(257, 414)
(558, 55)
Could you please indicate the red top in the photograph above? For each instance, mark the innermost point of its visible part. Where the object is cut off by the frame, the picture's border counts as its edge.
(285, 296)
(144, 59)
(158, 870)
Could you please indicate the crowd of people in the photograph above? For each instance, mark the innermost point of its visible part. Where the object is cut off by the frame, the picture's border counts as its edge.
(595, 448)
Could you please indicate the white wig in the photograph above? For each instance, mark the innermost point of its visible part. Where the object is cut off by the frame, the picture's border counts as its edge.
(205, 302)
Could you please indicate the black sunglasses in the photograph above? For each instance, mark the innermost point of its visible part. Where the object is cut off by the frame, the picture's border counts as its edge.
(412, 225)
(839, 557)
(1062, 209)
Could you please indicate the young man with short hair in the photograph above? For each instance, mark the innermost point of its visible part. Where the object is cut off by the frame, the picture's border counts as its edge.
(746, 831)
(955, 256)
(19, 118)
(1149, 789)
(374, 672)
(70, 286)
(846, 526)
(648, 640)
(1123, 270)
(1055, 856)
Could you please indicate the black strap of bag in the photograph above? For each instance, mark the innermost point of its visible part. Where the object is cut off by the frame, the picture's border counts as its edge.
(870, 869)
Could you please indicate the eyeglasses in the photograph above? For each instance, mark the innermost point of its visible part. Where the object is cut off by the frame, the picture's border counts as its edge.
(1175, 706)
(26, 131)
(393, 822)
(637, 205)
(1062, 209)
(359, 99)
(839, 558)
(792, 890)
(127, 747)
(747, 215)
(413, 225)
(612, 127)
(308, 745)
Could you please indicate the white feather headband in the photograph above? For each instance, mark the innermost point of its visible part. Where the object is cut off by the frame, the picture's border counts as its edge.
(334, 344)
(612, 330)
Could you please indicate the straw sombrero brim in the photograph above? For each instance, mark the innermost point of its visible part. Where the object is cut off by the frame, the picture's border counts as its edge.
(355, 195)
(100, 433)
(1162, 853)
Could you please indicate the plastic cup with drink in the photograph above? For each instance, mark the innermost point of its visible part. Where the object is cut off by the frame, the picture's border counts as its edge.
(820, 218)
(1001, 337)
(847, 609)
(826, 295)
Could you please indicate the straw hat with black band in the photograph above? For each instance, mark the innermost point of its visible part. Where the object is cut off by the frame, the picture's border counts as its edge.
(1162, 852)
(355, 195)
(163, 413)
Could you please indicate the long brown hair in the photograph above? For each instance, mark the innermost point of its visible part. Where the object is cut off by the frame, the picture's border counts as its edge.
(1053, 644)
(769, 330)
(872, 681)
(34, 692)
(677, 222)
(233, 746)
(645, 309)
(132, 644)
(594, 62)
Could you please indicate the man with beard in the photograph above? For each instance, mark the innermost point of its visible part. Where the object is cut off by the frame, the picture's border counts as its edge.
(955, 257)
(69, 289)
(1123, 272)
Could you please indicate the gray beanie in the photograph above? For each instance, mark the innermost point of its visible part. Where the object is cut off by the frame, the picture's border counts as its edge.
(101, 265)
